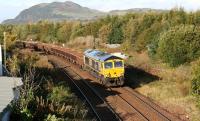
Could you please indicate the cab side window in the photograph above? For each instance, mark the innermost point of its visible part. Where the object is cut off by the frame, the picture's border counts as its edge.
(118, 64)
(108, 65)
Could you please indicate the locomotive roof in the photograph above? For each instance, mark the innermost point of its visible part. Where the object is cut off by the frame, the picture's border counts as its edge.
(99, 55)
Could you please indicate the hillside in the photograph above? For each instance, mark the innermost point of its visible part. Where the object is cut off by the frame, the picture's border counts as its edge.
(55, 11)
(58, 11)
(134, 10)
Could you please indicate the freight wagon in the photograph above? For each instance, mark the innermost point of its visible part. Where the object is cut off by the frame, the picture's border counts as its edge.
(107, 68)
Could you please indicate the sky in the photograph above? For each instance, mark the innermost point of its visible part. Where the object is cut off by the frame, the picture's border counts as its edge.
(11, 8)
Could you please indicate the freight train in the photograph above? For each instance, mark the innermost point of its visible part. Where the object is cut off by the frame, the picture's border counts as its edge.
(107, 68)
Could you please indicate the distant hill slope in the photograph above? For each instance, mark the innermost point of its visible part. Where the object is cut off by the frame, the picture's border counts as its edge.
(134, 10)
(58, 11)
(55, 11)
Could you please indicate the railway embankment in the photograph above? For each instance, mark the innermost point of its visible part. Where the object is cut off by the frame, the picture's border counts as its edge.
(44, 96)
(125, 104)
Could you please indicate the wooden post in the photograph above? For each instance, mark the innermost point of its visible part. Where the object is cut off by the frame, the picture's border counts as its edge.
(94, 47)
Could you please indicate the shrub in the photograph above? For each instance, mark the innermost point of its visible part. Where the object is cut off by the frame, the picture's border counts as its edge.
(53, 118)
(116, 35)
(180, 44)
(23, 106)
(27, 61)
(104, 32)
(196, 78)
(196, 81)
(60, 94)
(13, 66)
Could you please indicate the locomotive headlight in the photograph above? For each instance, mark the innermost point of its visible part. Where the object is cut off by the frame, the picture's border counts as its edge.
(108, 75)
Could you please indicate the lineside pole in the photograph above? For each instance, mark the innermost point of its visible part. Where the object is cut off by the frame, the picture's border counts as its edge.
(4, 34)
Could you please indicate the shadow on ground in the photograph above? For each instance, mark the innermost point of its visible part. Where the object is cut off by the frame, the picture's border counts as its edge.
(102, 91)
(136, 77)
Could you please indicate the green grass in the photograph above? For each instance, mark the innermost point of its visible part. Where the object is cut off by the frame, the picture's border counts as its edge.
(50, 99)
(172, 88)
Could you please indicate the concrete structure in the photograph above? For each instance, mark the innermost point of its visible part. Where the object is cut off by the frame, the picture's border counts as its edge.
(113, 45)
(1, 66)
(8, 92)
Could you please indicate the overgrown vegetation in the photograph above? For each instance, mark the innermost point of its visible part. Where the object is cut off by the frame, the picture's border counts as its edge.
(172, 37)
(42, 97)
(179, 44)
(169, 87)
(152, 31)
(196, 81)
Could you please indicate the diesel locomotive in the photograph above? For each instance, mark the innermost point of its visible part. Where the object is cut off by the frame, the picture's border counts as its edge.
(107, 68)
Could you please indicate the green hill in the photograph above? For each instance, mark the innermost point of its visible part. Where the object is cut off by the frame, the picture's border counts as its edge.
(58, 11)
(55, 11)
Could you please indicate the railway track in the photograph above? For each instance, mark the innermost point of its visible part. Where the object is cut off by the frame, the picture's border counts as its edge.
(99, 106)
(146, 101)
(138, 116)
(149, 111)
(136, 106)
(127, 103)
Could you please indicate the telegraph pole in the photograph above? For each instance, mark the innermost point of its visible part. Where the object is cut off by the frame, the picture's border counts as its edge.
(94, 47)
(4, 35)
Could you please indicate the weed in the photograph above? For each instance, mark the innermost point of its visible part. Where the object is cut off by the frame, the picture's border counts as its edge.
(60, 94)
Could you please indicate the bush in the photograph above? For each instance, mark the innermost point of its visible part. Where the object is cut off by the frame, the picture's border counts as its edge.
(23, 106)
(116, 35)
(196, 78)
(196, 81)
(179, 44)
(53, 118)
(60, 94)
(13, 66)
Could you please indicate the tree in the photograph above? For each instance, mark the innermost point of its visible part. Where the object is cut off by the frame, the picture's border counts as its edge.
(10, 40)
(77, 30)
(116, 35)
(104, 32)
(177, 16)
(149, 37)
(131, 30)
(1, 34)
(180, 44)
(196, 19)
(64, 33)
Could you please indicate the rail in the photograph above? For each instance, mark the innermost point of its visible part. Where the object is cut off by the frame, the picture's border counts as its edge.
(96, 112)
(141, 106)
(118, 117)
(93, 109)
(130, 105)
(150, 104)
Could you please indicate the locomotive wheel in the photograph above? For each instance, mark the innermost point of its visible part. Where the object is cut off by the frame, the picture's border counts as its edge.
(107, 82)
(104, 81)
(120, 81)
